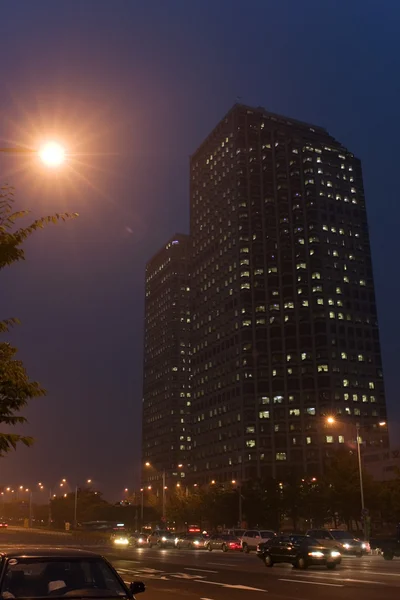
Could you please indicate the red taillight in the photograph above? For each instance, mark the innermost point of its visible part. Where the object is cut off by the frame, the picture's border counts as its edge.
(233, 544)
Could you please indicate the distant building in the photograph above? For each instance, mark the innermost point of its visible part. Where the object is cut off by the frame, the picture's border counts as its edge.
(284, 319)
(166, 437)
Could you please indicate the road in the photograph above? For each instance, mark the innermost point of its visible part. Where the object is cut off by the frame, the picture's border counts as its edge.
(200, 575)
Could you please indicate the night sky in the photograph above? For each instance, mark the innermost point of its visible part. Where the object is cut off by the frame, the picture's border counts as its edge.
(132, 88)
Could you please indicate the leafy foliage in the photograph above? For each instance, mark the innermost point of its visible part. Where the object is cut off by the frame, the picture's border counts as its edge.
(15, 386)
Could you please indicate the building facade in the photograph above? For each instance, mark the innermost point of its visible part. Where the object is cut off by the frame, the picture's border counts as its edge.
(284, 320)
(166, 439)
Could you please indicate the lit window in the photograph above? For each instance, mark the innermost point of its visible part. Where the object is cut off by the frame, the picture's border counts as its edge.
(316, 275)
(304, 303)
(264, 414)
(323, 368)
(281, 456)
(343, 355)
(329, 439)
(294, 412)
(364, 398)
(311, 411)
(278, 399)
(308, 440)
(341, 439)
(371, 385)
(361, 358)
(372, 399)
(338, 290)
(250, 443)
(362, 282)
(320, 301)
(355, 397)
(245, 274)
(303, 355)
(250, 429)
(331, 315)
(246, 323)
(245, 286)
(346, 396)
(345, 383)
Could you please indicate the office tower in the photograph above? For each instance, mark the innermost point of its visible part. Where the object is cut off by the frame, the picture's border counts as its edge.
(284, 321)
(166, 440)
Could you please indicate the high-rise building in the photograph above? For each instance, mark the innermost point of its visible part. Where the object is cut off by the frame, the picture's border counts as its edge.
(284, 320)
(166, 439)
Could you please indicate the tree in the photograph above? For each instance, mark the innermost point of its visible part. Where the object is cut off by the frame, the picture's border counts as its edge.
(15, 386)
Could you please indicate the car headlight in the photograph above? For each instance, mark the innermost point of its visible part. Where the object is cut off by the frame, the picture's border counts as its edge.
(347, 546)
(163, 539)
(316, 554)
(335, 553)
(196, 542)
(121, 541)
(140, 540)
(364, 546)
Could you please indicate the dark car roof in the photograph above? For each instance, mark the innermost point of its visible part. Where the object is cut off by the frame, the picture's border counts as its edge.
(49, 553)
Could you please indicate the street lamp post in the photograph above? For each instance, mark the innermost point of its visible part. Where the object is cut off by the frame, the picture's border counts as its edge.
(331, 420)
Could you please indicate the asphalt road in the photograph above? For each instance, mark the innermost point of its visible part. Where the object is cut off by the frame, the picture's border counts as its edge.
(200, 575)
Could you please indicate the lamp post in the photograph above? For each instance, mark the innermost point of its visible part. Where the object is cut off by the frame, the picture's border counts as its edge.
(331, 421)
(164, 512)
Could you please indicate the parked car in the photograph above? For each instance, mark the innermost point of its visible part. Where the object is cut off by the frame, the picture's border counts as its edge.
(3, 525)
(43, 572)
(224, 542)
(191, 540)
(252, 537)
(342, 540)
(299, 550)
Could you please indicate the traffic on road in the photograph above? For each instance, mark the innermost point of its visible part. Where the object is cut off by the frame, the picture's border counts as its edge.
(193, 573)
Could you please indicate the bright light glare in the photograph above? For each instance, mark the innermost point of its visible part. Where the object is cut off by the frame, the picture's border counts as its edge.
(330, 420)
(52, 154)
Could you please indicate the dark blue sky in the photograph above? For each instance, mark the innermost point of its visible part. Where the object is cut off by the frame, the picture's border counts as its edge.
(133, 87)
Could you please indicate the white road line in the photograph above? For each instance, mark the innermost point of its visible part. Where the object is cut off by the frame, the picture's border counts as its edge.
(365, 581)
(388, 574)
(232, 586)
(201, 570)
(312, 582)
(222, 564)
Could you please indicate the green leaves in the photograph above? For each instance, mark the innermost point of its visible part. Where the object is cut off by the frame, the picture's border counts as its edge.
(15, 386)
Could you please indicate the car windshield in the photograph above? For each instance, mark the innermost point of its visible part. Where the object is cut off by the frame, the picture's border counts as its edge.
(60, 578)
(267, 534)
(341, 535)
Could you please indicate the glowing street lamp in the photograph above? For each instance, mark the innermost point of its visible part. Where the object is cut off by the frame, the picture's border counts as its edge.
(51, 154)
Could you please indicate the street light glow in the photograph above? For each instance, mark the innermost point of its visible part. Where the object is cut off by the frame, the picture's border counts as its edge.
(147, 464)
(52, 154)
(330, 420)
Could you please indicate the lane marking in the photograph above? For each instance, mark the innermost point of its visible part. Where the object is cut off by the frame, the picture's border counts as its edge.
(222, 564)
(312, 582)
(365, 581)
(232, 586)
(384, 574)
(200, 570)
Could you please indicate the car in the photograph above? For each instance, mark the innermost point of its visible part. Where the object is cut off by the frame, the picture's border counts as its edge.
(252, 537)
(3, 525)
(38, 572)
(191, 540)
(301, 551)
(224, 542)
(161, 538)
(127, 538)
(342, 540)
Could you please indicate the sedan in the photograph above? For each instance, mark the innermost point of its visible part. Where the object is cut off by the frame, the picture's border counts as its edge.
(42, 572)
(191, 540)
(224, 542)
(299, 550)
